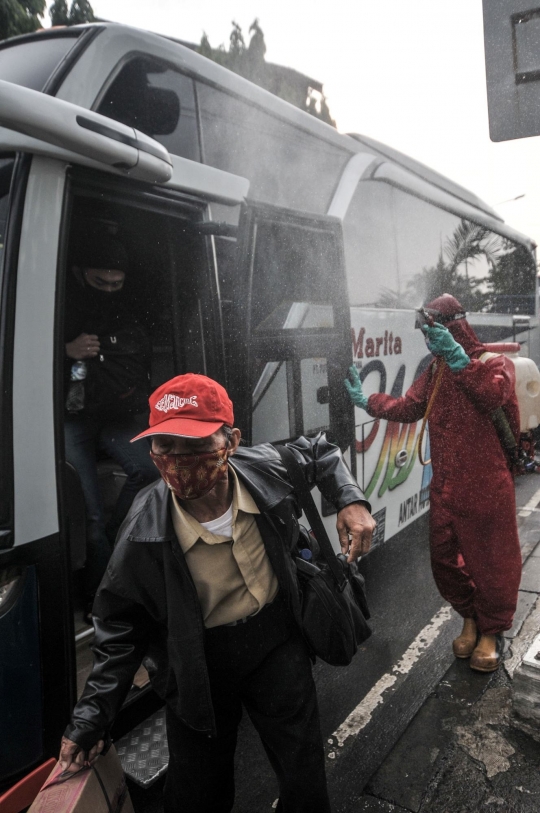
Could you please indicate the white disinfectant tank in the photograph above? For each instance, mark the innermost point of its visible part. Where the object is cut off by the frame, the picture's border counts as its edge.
(527, 383)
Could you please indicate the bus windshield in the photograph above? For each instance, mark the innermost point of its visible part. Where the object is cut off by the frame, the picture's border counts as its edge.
(30, 63)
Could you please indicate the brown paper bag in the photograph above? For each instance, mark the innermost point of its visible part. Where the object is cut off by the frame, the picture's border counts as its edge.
(83, 792)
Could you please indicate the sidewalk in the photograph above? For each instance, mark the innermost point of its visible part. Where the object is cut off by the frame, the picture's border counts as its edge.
(464, 750)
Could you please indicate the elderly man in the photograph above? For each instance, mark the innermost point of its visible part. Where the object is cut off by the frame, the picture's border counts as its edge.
(202, 582)
(475, 554)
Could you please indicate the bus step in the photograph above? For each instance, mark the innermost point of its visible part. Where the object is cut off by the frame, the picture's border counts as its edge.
(144, 752)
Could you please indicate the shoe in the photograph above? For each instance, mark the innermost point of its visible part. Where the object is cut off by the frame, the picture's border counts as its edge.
(463, 646)
(487, 656)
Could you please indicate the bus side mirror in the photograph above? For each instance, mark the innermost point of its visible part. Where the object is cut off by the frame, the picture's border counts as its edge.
(84, 132)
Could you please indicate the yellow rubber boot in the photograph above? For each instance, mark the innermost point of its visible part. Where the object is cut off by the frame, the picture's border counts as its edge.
(465, 643)
(487, 655)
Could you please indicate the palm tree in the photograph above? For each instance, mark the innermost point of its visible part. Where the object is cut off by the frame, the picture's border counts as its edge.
(470, 241)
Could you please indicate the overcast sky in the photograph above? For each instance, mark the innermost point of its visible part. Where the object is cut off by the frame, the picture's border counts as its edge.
(409, 73)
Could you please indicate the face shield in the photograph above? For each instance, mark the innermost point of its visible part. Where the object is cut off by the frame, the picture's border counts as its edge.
(428, 316)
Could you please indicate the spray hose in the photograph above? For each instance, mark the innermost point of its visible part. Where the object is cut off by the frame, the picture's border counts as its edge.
(505, 434)
(498, 416)
(438, 382)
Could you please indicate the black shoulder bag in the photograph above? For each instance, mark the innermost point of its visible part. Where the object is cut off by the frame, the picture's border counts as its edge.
(333, 599)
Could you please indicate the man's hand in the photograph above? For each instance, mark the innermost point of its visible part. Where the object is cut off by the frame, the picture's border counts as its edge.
(85, 346)
(72, 758)
(355, 527)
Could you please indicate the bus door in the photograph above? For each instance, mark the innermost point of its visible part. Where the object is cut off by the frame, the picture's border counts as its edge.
(290, 328)
(49, 194)
(170, 295)
(35, 642)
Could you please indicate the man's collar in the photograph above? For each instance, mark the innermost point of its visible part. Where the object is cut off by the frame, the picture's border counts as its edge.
(186, 527)
(242, 499)
(189, 530)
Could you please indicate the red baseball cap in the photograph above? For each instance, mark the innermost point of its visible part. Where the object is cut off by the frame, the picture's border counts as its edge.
(192, 406)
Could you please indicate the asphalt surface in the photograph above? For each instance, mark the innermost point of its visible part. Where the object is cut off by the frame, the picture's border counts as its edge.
(466, 750)
(404, 725)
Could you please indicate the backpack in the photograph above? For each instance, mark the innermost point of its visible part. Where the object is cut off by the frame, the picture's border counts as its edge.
(117, 382)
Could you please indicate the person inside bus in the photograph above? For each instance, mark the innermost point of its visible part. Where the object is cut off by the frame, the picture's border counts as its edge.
(106, 385)
(202, 582)
(475, 553)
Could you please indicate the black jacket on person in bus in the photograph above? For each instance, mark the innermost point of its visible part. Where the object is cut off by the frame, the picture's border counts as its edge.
(147, 604)
(117, 382)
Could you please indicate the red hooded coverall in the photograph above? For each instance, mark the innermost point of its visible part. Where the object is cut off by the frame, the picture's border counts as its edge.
(475, 553)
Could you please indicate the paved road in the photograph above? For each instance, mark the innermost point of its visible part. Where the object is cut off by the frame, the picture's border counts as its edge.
(466, 751)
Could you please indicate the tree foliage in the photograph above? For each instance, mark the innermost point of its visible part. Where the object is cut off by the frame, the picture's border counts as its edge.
(59, 13)
(249, 61)
(468, 242)
(20, 17)
(511, 281)
(507, 287)
(80, 12)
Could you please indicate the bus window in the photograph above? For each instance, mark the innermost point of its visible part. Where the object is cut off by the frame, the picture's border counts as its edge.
(293, 277)
(401, 251)
(31, 63)
(290, 398)
(291, 292)
(286, 165)
(158, 100)
(315, 406)
(299, 335)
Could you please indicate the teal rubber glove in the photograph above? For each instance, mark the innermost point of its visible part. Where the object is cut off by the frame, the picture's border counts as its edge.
(442, 344)
(355, 389)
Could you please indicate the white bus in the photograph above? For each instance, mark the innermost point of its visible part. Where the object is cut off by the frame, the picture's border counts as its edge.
(272, 252)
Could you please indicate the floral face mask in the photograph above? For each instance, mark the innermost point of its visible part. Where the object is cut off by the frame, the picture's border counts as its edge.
(191, 476)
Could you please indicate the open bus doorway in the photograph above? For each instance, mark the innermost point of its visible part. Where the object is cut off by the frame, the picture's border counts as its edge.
(167, 300)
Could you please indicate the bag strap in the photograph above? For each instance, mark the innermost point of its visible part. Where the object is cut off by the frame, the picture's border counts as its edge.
(104, 789)
(438, 382)
(307, 503)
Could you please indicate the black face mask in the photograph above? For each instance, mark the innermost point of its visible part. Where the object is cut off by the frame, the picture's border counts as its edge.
(104, 302)
(102, 296)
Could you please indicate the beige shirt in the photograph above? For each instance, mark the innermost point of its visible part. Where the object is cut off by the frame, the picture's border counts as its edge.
(233, 578)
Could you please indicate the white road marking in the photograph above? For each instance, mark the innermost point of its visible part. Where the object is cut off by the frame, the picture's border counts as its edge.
(361, 715)
(523, 640)
(531, 505)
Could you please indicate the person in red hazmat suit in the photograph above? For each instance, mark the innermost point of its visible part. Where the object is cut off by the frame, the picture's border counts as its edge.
(475, 553)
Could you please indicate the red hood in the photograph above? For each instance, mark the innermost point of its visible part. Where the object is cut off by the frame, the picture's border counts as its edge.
(465, 335)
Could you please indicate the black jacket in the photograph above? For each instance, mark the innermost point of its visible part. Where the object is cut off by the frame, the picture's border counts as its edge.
(118, 388)
(147, 603)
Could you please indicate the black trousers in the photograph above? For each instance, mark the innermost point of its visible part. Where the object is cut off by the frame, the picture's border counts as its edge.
(264, 666)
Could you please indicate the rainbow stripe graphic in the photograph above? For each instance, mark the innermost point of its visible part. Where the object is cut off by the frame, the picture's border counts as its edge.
(398, 437)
